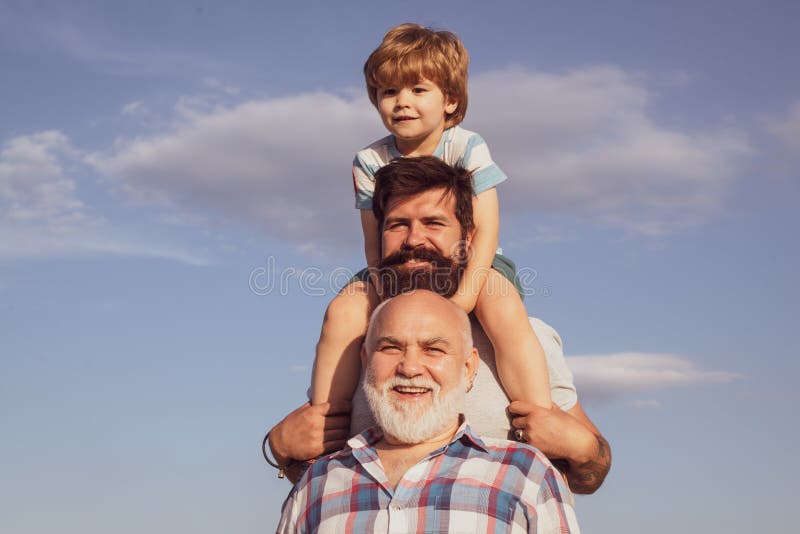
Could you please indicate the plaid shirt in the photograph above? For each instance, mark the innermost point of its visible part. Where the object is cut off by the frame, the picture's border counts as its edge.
(470, 485)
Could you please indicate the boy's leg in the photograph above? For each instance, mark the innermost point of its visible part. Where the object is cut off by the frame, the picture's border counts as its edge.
(337, 364)
(521, 362)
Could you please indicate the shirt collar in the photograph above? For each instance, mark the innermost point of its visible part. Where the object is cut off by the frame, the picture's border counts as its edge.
(371, 436)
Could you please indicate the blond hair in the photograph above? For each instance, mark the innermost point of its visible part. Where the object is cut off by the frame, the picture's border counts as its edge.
(410, 52)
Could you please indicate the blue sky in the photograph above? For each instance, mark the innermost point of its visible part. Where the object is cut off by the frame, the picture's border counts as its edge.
(176, 210)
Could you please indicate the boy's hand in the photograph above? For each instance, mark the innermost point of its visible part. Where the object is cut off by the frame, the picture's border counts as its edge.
(311, 431)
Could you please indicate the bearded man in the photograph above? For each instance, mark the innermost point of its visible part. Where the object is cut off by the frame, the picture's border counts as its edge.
(424, 210)
(422, 468)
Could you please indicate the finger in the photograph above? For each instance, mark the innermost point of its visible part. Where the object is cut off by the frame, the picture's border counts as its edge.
(519, 422)
(520, 407)
(337, 422)
(335, 445)
(336, 434)
(336, 407)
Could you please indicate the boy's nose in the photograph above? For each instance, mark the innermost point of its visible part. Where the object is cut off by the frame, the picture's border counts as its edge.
(402, 98)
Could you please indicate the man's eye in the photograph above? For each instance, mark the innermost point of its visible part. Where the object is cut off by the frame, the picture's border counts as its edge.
(389, 348)
(435, 350)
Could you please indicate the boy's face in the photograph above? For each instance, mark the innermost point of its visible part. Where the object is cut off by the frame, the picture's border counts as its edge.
(415, 115)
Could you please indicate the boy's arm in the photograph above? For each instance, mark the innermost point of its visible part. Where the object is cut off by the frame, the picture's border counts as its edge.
(372, 241)
(486, 215)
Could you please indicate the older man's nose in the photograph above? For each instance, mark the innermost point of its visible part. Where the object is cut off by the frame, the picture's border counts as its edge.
(409, 365)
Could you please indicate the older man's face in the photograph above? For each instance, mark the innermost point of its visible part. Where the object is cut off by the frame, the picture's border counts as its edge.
(418, 364)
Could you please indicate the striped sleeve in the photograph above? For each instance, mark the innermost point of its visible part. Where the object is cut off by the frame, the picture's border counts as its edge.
(485, 172)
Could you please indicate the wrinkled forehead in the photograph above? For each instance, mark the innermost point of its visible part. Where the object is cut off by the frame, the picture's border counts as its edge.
(419, 317)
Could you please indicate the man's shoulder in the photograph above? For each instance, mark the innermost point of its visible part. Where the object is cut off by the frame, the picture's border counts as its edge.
(515, 453)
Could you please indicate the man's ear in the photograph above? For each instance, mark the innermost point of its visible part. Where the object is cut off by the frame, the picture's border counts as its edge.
(468, 239)
(471, 366)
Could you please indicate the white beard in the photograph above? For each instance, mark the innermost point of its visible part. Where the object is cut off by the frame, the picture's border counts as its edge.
(406, 421)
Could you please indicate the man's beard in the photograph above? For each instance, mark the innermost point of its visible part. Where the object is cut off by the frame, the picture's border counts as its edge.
(409, 422)
(441, 276)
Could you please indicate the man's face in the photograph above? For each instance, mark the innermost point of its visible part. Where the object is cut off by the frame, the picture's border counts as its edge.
(418, 364)
(421, 235)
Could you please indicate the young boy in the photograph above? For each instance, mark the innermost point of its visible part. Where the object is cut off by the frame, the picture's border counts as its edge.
(417, 79)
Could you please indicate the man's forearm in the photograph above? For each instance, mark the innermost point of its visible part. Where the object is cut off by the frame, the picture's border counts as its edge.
(586, 477)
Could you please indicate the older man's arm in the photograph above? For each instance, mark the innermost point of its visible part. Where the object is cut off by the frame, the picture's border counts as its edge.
(568, 435)
(309, 432)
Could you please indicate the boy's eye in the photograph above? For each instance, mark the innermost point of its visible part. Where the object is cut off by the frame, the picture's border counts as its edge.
(419, 90)
(388, 92)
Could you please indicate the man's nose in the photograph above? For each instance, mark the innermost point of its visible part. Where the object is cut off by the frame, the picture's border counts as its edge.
(410, 365)
(415, 236)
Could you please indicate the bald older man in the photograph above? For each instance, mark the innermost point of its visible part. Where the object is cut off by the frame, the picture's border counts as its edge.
(422, 469)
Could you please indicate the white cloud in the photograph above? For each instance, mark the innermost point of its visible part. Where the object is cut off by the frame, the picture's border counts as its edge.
(586, 142)
(605, 376)
(583, 142)
(787, 130)
(282, 163)
(646, 404)
(33, 186)
(42, 215)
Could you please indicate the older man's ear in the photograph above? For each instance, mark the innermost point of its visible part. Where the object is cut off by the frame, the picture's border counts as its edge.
(471, 367)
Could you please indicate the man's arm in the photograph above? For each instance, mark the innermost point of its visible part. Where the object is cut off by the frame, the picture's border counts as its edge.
(568, 435)
(309, 432)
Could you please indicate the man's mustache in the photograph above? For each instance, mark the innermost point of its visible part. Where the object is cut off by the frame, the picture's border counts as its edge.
(419, 254)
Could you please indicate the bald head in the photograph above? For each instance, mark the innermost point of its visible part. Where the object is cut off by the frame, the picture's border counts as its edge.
(423, 306)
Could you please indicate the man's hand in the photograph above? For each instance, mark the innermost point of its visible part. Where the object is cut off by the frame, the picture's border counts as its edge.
(568, 435)
(310, 431)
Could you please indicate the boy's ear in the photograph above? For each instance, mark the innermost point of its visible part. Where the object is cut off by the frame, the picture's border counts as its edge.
(450, 107)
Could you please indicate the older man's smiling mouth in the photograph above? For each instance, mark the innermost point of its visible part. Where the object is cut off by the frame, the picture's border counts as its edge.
(414, 391)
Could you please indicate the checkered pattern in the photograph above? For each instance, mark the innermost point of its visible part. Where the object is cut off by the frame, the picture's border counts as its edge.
(470, 485)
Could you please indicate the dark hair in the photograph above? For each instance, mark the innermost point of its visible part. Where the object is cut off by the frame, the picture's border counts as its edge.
(406, 177)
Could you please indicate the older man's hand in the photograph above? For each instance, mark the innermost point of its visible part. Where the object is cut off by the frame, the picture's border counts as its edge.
(554, 432)
(311, 431)
(568, 435)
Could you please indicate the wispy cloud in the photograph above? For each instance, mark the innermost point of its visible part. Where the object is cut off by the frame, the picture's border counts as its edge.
(80, 33)
(606, 376)
(587, 141)
(582, 142)
(42, 214)
(786, 129)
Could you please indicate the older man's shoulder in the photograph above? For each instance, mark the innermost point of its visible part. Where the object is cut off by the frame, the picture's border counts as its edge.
(521, 456)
